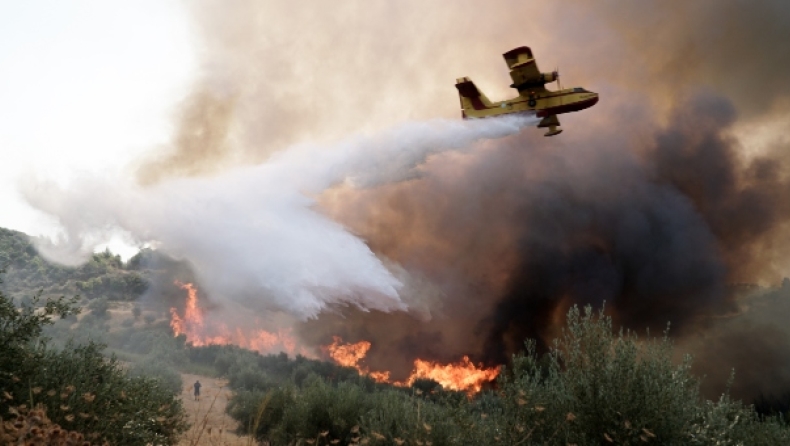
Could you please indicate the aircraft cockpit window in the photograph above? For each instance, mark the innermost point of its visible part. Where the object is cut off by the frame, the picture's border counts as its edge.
(580, 90)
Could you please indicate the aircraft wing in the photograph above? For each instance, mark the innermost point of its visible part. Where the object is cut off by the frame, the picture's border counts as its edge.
(523, 69)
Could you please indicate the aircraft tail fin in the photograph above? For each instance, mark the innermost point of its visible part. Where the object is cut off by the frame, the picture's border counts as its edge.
(472, 99)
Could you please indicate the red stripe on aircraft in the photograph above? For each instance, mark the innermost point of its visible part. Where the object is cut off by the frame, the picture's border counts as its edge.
(567, 108)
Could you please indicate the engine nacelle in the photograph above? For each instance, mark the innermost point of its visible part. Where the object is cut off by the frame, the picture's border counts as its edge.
(549, 77)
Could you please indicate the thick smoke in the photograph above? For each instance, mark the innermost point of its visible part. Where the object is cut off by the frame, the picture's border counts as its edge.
(650, 201)
(746, 202)
(516, 232)
(251, 233)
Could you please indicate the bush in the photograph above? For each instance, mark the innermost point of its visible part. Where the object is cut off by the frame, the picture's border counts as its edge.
(319, 407)
(349, 412)
(593, 387)
(259, 412)
(167, 377)
(78, 387)
(599, 387)
(34, 427)
(99, 307)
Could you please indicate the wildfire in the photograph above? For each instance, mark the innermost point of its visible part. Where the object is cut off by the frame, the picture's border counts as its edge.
(200, 333)
(462, 376)
(349, 355)
(192, 314)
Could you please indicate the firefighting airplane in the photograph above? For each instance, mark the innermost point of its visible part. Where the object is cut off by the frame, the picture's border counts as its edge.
(533, 98)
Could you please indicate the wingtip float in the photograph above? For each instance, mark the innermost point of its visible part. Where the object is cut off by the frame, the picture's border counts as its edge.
(533, 98)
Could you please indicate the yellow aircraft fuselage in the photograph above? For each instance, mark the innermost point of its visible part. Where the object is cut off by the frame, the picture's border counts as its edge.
(533, 99)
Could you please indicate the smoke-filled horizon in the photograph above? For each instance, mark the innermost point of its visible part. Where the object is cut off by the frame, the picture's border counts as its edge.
(437, 239)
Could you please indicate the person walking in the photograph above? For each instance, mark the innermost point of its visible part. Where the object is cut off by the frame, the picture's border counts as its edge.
(197, 390)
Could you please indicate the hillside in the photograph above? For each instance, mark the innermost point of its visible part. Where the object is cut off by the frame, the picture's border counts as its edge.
(283, 400)
(104, 275)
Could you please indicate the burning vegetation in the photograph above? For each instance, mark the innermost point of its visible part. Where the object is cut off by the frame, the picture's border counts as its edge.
(199, 332)
(461, 376)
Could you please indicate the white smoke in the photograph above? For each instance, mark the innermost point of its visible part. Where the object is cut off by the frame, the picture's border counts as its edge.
(252, 233)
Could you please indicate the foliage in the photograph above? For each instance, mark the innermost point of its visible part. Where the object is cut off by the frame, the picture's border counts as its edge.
(103, 275)
(614, 386)
(593, 387)
(99, 307)
(34, 427)
(19, 328)
(168, 378)
(77, 386)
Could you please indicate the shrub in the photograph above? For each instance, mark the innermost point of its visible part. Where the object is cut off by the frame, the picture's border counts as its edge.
(79, 388)
(34, 427)
(259, 412)
(167, 377)
(593, 387)
(249, 377)
(599, 387)
(99, 307)
(318, 408)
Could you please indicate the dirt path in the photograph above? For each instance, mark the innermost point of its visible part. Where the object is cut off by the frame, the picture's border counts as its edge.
(210, 424)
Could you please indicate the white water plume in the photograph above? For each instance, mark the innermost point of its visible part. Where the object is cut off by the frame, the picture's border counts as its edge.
(251, 233)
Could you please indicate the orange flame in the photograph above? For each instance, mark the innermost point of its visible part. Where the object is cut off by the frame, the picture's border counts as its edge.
(461, 376)
(349, 355)
(198, 333)
(193, 317)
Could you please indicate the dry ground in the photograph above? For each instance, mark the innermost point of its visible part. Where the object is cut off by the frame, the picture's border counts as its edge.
(210, 424)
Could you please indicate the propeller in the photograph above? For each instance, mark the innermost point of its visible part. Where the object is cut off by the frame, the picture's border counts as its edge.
(559, 84)
(557, 76)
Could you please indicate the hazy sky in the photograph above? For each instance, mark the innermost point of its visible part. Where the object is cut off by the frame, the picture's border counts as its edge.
(102, 86)
(84, 86)
(242, 135)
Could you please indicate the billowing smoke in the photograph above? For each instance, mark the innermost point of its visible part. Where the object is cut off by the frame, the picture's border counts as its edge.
(653, 201)
(517, 231)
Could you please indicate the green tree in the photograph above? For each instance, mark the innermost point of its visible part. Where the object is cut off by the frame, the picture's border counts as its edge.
(80, 389)
(99, 307)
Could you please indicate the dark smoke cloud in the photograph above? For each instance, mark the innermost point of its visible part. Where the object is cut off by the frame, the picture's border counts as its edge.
(648, 201)
(516, 232)
(757, 352)
(746, 202)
